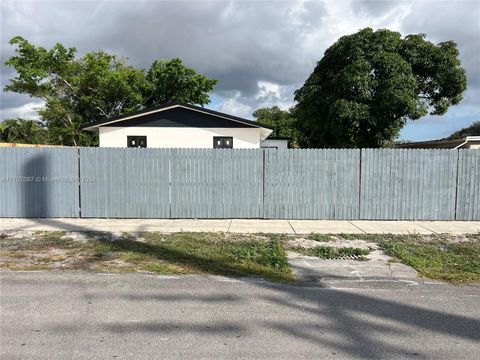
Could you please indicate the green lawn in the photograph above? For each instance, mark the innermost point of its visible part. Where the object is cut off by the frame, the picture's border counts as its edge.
(448, 258)
(321, 237)
(442, 257)
(437, 257)
(179, 253)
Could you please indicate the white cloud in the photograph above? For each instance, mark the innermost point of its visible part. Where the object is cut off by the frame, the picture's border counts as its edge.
(234, 107)
(268, 94)
(26, 111)
(268, 91)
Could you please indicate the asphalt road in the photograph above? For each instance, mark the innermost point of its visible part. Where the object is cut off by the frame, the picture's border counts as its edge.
(78, 315)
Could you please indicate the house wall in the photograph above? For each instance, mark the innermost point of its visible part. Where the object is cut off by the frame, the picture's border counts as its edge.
(179, 137)
(474, 146)
(275, 143)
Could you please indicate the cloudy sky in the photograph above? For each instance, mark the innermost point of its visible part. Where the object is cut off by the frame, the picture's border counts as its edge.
(260, 51)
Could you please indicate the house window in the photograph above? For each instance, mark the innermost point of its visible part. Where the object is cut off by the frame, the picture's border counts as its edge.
(136, 141)
(222, 142)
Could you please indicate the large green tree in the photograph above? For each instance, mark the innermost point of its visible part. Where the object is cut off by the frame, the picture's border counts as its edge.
(282, 121)
(77, 90)
(171, 81)
(23, 131)
(367, 85)
(472, 130)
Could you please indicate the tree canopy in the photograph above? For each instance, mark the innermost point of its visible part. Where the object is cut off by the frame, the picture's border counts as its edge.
(472, 130)
(96, 85)
(367, 85)
(168, 81)
(282, 122)
(22, 131)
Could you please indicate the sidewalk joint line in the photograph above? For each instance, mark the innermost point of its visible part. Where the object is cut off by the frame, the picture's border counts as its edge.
(363, 231)
(414, 222)
(288, 221)
(229, 225)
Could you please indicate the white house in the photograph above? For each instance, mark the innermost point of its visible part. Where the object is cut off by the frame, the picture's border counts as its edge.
(276, 143)
(177, 125)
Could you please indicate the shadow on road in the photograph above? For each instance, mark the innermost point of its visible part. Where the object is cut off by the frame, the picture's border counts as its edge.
(338, 319)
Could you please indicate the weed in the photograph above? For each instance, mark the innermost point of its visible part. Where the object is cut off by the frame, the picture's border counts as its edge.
(380, 237)
(456, 262)
(320, 237)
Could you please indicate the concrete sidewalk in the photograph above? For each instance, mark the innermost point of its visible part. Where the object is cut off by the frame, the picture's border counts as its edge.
(242, 226)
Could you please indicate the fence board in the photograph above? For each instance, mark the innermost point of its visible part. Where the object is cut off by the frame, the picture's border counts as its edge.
(128, 183)
(468, 187)
(408, 184)
(312, 184)
(218, 183)
(38, 182)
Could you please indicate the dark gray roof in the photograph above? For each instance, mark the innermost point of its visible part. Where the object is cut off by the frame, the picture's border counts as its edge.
(433, 144)
(168, 106)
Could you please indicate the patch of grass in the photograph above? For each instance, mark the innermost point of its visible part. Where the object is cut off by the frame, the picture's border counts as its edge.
(15, 254)
(320, 237)
(444, 257)
(211, 253)
(330, 252)
(161, 268)
(380, 237)
(475, 236)
(179, 253)
(347, 236)
(110, 269)
(38, 241)
(16, 266)
(436, 257)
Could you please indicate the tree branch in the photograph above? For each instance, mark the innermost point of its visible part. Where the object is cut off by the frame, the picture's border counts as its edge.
(103, 112)
(71, 122)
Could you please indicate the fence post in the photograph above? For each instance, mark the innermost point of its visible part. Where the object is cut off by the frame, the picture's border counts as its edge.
(456, 184)
(79, 178)
(263, 183)
(360, 185)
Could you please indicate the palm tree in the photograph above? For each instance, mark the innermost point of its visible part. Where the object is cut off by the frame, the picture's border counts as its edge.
(22, 131)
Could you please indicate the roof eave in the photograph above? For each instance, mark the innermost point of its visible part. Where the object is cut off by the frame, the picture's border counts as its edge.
(95, 125)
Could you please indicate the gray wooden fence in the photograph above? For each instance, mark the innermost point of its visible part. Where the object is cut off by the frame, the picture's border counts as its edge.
(312, 184)
(468, 185)
(374, 184)
(408, 184)
(125, 183)
(39, 182)
(220, 183)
